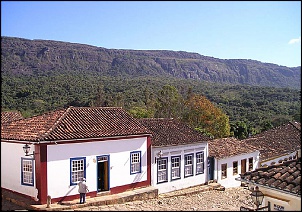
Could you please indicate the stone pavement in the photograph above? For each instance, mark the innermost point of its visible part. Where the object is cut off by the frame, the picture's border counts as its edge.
(114, 199)
(230, 199)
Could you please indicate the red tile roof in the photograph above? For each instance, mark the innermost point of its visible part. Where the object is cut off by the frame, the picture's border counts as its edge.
(277, 141)
(166, 132)
(285, 176)
(9, 116)
(74, 123)
(228, 147)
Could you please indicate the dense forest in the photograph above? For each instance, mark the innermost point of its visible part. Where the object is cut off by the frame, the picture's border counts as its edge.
(256, 108)
(39, 76)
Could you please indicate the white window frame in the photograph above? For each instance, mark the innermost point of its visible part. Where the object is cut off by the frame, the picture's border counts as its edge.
(135, 162)
(175, 167)
(27, 171)
(189, 165)
(199, 163)
(77, 170)
(162, 170)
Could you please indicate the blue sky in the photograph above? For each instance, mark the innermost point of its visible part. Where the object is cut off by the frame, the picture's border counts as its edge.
(265, 31)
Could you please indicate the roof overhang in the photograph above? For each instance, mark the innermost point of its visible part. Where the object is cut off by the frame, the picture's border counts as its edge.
(75, 140)
(267, 187)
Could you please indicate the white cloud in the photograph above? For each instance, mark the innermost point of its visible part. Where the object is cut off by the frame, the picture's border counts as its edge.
(295, 40)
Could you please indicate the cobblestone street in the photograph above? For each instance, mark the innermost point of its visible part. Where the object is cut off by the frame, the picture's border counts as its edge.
(9, 206)
(229, 200)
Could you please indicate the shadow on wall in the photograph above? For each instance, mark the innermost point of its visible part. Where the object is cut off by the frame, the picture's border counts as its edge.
(63, 198)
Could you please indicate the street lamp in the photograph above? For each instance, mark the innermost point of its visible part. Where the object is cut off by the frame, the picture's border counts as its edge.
(257, 197)
(26, 149)
(160, 154)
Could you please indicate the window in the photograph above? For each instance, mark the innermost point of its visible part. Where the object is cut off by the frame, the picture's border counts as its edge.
(250, 164)
(223, 171)
(235, 167)
(162, 171)
(188, 165)
(199, 163)
(27, 173)
(77, 170)
(175, 167)
(135, 165)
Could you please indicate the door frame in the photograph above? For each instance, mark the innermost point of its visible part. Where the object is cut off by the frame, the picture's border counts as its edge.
(97, 171)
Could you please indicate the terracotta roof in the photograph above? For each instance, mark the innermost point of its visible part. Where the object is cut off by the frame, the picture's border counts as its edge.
(74, 123)
(166, 132)
(285, 176)
(9, 116)
(277, 141)
(228, 147)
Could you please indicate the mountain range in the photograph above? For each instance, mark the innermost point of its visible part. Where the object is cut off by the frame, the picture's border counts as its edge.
(24, 57)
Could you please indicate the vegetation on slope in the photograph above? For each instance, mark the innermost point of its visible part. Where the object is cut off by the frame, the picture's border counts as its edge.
(38, 76)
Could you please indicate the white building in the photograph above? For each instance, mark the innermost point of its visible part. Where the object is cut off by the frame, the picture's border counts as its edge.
(107, 146)
(179, 155)
(229, 157)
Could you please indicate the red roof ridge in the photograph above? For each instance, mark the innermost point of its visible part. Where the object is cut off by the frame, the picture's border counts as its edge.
(43, 135)
(295, 124)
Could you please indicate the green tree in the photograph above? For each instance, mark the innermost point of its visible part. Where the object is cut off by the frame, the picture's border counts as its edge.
(266, 125)
(169, 103)
(240, 130)
(139, 112)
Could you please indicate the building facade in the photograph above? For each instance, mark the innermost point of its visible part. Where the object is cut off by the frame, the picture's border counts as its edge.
(99, 144)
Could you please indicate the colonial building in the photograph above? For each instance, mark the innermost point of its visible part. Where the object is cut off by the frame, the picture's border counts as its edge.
(107, 146)
(179, 154)
(229, 157)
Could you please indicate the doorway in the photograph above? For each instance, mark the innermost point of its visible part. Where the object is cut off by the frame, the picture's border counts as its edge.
(211, 168)
(103, 173)
(243, 166)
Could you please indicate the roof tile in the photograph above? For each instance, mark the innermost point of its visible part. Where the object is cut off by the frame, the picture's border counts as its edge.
(228, 147)
(8, 116)
(168, 131)
(275, 177)
(279, 140)
(74, 123)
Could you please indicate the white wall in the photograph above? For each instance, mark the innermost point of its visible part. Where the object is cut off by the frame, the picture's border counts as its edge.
(183, 182)
(58, 164)
(230, 181)
(289, 202)
(11, 154)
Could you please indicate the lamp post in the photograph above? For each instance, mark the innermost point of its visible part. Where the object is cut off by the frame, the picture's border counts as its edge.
(257, 197)
(26, 149)
(160, 154)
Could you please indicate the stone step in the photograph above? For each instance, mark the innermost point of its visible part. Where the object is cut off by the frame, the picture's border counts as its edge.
(103, 193)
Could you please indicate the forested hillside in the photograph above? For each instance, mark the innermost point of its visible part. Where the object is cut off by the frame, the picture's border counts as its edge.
(43, 57)
(39, 76)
